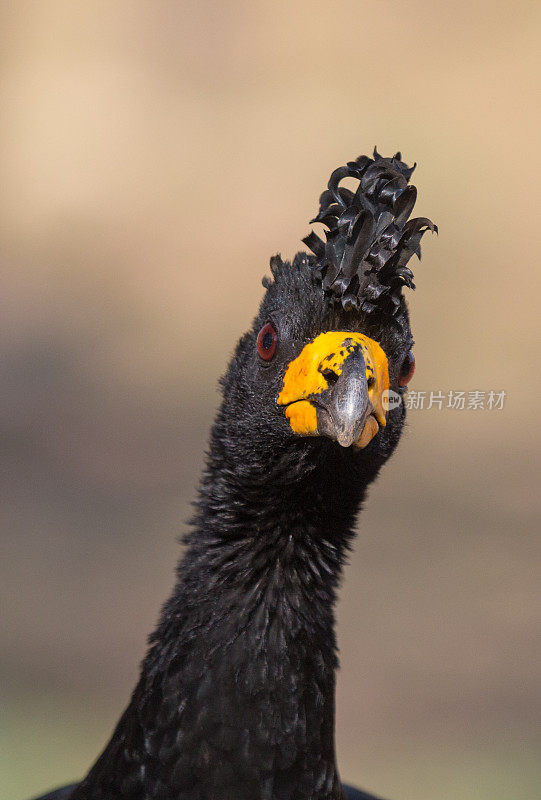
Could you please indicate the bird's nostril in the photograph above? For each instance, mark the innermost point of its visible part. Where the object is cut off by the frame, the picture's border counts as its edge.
(330, 376)
(371, 382)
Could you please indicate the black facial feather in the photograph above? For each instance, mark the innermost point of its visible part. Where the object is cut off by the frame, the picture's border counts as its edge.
(370, 238)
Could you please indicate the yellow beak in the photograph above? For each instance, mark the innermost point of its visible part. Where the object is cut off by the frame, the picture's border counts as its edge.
(336, 387)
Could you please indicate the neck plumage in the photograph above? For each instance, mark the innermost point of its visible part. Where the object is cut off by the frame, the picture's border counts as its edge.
(236, 695)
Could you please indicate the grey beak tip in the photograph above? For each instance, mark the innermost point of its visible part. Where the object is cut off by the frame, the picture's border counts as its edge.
(345, 439)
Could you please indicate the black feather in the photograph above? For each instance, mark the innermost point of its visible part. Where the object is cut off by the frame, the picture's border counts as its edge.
(235, 699)
(369, 240)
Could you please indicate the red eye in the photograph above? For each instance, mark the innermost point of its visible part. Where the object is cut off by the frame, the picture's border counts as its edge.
(267, 339)
(406, 370)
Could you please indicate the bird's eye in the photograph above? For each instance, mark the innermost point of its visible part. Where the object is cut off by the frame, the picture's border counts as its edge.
(267, 339)
(407, 369)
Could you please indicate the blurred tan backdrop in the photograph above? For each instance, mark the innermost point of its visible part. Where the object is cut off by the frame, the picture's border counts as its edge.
(149, 148)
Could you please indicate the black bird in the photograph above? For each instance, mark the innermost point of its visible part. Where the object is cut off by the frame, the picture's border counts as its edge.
(235, 700)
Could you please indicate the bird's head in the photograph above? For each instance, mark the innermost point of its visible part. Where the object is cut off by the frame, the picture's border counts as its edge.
(330, 352)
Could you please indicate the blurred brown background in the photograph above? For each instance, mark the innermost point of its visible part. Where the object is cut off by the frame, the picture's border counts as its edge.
(151, 148)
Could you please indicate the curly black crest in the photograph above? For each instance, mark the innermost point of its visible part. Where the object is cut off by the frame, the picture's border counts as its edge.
(370, 238)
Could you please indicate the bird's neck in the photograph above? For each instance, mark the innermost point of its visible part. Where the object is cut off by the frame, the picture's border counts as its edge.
(236, 696)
